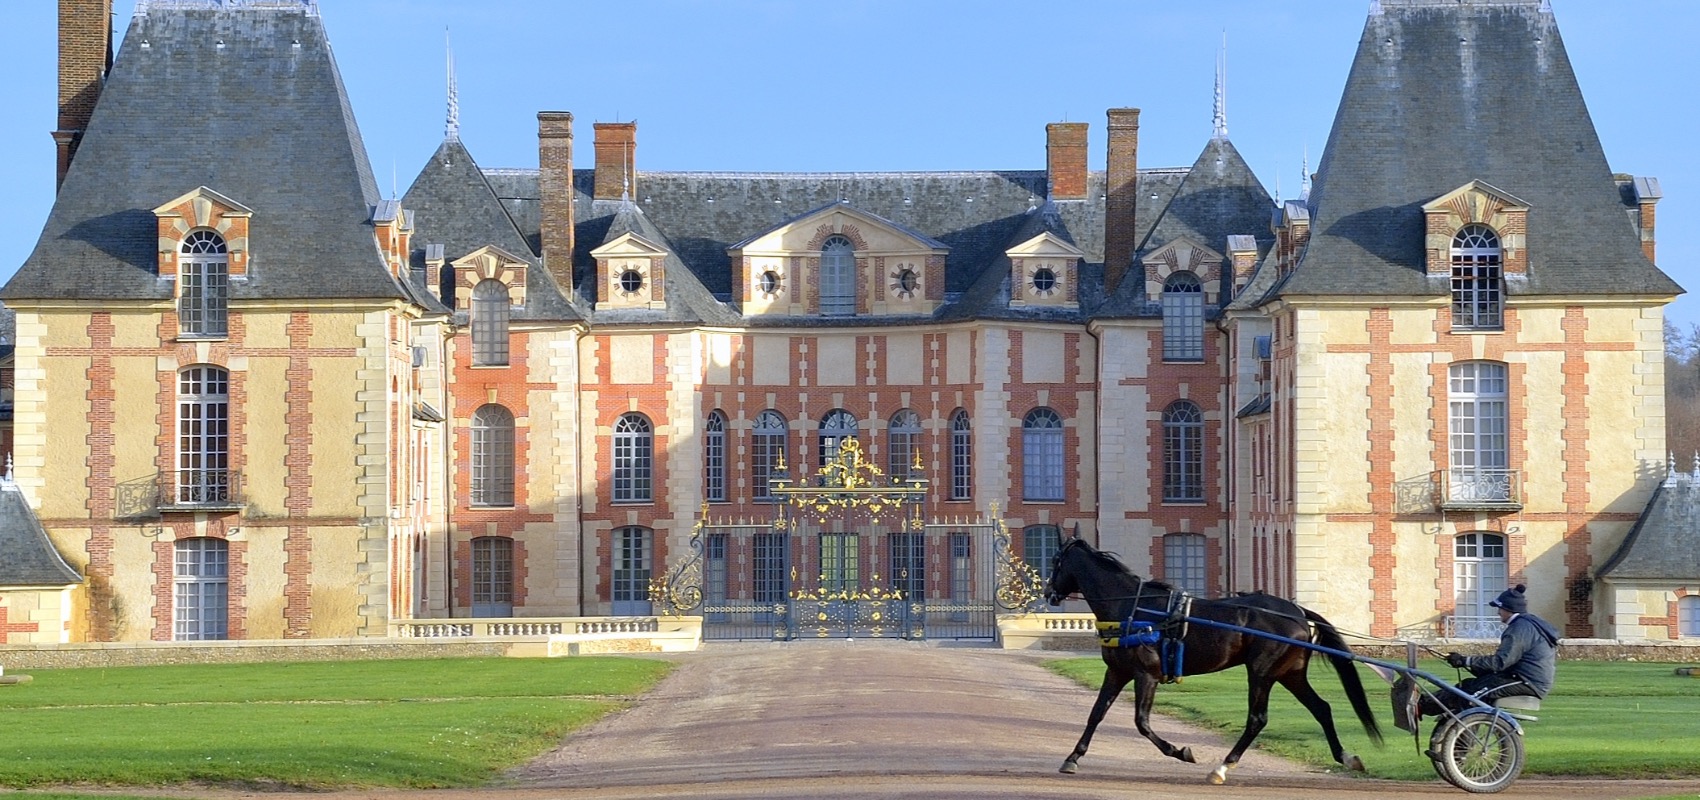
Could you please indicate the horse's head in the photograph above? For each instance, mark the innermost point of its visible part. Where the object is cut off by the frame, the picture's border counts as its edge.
(1063, 582)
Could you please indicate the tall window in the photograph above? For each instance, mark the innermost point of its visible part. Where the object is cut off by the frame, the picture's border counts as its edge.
(1183, 318)
(909, 565)
(714, 575)
(202, 592)
(634, 459)
(490, 323)
(772, 555)
(840, 562)
(961, 568)
(492, 456)
(1478, 294)
(203, 277)
(492, 576)
(961, 457)
(837, 277)
(767, 446)
(203, 436)
(1183, 562)
(834, 429)
(1479, 574)
(714, 458)
(630, 572)
(1476, 417)
(905, 434)
(1042, 456)
(1688, 616)
(1039, 545)
(1183, 453)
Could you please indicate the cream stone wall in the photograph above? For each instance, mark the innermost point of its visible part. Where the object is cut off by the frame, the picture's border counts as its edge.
(835, 360)
(1341, 426)
(134, 607)
(337, 577)
(1332, 571)
(1413, 396)
(264, 599)
(49, 609)
(721, 348)
(631, 359)
(770, 357)
(1124, 354)
(65, 492)
(904, 354)
(135, 418)
(959, 357)
(990, 418)
(335, 469)
(1417, 588)
(560, 357)
(265, 462)
(1042, 356)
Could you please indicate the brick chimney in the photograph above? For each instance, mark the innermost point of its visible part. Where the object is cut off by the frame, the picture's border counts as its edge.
(85, 54)
(555, 194)
(1065, 159)
(616, 173)
(1121, 195)
(1647, 194)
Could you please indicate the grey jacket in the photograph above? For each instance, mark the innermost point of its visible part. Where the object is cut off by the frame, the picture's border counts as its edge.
(1527, 651)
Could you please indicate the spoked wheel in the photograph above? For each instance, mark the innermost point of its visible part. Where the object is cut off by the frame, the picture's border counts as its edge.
(1479, 751)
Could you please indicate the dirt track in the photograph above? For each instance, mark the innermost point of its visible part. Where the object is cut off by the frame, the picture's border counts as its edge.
(872, 719)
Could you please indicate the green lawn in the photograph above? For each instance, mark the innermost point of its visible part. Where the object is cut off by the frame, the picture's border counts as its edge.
(421, 724)
(1637, 720)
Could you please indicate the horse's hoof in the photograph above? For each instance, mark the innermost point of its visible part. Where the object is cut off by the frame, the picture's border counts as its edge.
(1186, 755)
(1069, 768)
(1352, 762)
(1219, 775)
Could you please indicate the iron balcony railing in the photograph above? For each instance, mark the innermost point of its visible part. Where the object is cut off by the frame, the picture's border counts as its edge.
(182, 490)
(1461, 626)
(1480, 488)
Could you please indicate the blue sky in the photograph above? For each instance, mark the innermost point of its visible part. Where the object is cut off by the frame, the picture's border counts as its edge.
(765, 85)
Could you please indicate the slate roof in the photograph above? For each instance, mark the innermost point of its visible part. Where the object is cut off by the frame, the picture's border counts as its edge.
(260, 116)
(1442, 93)
(27, 557)
(1664, 545)
(687, 300)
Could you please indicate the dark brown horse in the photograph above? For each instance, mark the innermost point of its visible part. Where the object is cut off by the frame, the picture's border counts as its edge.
(1113, 594)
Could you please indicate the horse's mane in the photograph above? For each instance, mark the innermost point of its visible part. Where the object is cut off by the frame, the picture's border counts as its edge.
(1109, 560)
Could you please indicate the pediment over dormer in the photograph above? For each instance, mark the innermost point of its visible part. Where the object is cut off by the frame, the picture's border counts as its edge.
(1476, 203)
(203, 209)
(868, 233)
(1044, 271)
(489, 263)
(629, 244)
(871, 266)
(1184, 254)
(630, 273)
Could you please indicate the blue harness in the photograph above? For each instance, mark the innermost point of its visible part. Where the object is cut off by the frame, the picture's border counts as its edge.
(1171, 648)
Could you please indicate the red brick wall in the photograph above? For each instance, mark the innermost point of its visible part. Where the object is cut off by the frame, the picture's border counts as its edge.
(1065, 159)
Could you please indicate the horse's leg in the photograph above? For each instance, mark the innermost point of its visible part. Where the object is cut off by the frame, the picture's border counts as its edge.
(1145, 693)
(1256, 716)
(1112, 686)
(1300, 686)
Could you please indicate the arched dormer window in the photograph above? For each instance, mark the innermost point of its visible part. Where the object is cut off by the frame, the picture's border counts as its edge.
(490, 323)
(837, 277)
(203, 285)
(1183, 318)
(1478, 289)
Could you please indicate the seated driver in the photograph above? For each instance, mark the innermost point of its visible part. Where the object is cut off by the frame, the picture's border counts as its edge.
(1523, 664)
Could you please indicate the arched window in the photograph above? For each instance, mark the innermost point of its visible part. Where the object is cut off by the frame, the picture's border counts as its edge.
(1183, 318)
(203, 436)
(714, 458)
(203, 278)
(1688, 616)
(1479, 574)
(1042, 456)
(1039, 544)
(634, 459)
(1183, 562)
(1477, 427)
(837, 426)
(837, 277)
(490, 323)
(1478, 295)
(201, 592)
(904, 431)
(1183, 453)
(961, 457)
(767, 448)
(492, 576)
(630, 571)
(492, 456)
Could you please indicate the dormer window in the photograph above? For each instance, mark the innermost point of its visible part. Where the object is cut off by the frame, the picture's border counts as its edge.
(837, 277)
(490, 323)
(1044, 281)
(631, 281)
(769, 283)
(1478, 294)
(1183, 318)
(204, 285)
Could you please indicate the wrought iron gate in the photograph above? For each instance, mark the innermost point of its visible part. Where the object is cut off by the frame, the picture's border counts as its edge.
(847, 555)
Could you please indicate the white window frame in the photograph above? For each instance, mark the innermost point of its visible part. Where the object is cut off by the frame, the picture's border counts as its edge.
(490, 315)
(201, 589)
(1183, 453)
(903, 435)
(1478, 428)
(634, 459)
(835, 427)
(1185, 557)
(1183, 318)
(961, 457)
(203, 436)
(768, 440)
(837, 277)
(492, 457)
(203, 283)
(630, 570)
(1042, 479)
(1481, 570)
(492, 577)
(714, 458)
(1478, 285)
(1688, 616)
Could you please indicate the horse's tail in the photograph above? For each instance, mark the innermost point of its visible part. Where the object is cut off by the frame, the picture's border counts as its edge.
(1328, 637)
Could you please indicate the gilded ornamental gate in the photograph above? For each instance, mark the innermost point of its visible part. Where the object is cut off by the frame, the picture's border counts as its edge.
(847, 554)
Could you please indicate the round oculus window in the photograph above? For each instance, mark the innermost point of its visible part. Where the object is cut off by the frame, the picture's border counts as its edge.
(631, 281)
(908, 281)
(1044, 280)
(769, 282)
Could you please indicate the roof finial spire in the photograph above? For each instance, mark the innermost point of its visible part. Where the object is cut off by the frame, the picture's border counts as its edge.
(1222, 89)
(451, 128)
(1304, 176)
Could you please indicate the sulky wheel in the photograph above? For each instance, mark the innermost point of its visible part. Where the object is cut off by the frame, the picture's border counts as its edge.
(1480, 751)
